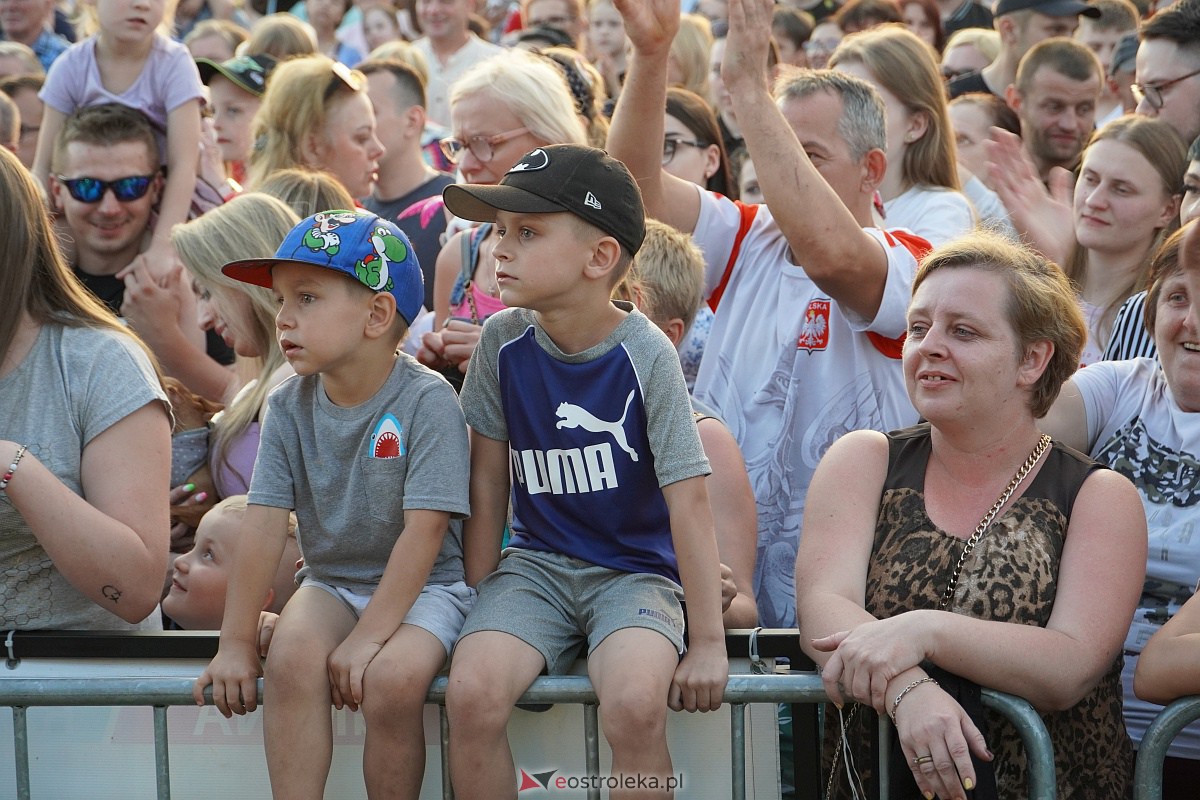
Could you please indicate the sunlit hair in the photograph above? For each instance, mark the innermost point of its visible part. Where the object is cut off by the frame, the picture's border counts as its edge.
(986, 41)
(1041, 306)
(232, 34)
(1160, 145)
(307, 191)
(698, 117)
(10, 122)
(1165, 264)
(862, 125)
(25, 55)
(105, 125)
(690, 52)
(281, 36)
(249, 226)
(295, 107)
(400, 50)
(36, 279)
(532, 89)
(1067, 57)
(668, 273)
(907, 67)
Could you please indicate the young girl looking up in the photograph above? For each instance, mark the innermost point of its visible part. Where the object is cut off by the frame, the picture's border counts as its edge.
(130, 61)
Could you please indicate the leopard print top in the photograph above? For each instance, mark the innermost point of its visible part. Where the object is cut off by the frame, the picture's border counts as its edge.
(1011, 577)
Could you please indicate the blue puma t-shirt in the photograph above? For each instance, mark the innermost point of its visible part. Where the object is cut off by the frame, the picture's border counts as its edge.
(593, 437)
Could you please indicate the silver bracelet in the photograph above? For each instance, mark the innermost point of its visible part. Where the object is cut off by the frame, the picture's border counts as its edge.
(12, 468)
(906, 690)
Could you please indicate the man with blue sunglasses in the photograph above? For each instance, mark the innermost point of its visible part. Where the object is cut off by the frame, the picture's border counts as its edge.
(106, 182)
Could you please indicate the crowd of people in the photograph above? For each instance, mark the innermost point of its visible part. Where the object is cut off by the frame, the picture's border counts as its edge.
(395, 337)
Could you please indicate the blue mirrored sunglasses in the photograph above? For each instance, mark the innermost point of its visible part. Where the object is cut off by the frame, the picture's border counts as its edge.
(91, 190)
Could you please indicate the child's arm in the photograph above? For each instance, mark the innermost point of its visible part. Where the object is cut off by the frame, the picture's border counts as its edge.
(405, 575)
(52, 123)
(1169, 667)
(234, 671)
(699, 681)
(183, 146)
(484, 530)
(735, 518)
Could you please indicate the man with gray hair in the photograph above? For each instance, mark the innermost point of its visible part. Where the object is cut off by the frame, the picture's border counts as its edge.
(810, 296)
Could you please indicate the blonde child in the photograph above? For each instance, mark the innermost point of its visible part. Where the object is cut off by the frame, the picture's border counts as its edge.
(196, 598)
(130, 61)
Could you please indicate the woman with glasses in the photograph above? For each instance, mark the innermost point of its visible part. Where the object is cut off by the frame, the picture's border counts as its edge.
(920, 190)
(316, 115)
(85, 444)
(500, 109)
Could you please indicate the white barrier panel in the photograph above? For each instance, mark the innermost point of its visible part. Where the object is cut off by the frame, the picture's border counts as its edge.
(108, 752)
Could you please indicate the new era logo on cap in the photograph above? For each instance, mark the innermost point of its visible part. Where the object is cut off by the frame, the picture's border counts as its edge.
(584, 181)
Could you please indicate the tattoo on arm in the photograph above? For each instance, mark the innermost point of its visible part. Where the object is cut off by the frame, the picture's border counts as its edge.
(111, 592)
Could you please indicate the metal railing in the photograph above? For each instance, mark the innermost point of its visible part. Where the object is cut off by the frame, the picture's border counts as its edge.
(1148, 772)
(159, 693)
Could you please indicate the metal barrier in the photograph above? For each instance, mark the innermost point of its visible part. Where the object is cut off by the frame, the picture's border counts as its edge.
(162, 692)
(1148, 771)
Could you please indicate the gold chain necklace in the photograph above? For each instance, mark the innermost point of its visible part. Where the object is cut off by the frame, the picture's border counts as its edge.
(1022, 472)
(985, 523)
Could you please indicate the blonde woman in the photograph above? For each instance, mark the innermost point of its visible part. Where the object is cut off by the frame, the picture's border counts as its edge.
(501, 109)
(316, 114)
(307, 191)
(251, 225)
(920, 189)
(690, 50)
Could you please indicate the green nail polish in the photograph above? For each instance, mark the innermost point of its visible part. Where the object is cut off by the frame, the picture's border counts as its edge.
(189, 487)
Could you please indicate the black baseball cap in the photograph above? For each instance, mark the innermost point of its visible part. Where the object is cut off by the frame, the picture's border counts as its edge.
(1051, 8)
(246, 72)
(584, 181)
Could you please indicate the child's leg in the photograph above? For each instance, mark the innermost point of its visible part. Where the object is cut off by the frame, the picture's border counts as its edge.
(490, 671)
(394, 689)
(631, 671)
(297, 729)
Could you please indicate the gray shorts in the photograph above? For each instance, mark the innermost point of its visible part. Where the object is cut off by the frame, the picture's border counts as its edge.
(439, 608)
(556, 604)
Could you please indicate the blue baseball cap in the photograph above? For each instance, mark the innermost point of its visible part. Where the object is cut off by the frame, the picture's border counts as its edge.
(357, 243)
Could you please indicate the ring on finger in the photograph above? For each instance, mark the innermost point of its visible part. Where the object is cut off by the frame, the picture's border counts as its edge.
(925, 759)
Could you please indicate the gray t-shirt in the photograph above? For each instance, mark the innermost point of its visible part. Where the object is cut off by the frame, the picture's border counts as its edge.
(350, 473)
(73, 385)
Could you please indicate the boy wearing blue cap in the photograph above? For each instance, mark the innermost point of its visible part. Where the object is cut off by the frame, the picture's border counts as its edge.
(583, 401)
(370, 450)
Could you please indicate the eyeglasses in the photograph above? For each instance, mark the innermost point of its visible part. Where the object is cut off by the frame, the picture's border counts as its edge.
(342, 76)
(1154, 94)
(91, 190)
(482, 147)
(671, 145)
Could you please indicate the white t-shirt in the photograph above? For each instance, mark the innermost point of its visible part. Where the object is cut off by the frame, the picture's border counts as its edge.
(790, 371)
(989, 209)
(1136, 427)
(442, 76)
(935, 214)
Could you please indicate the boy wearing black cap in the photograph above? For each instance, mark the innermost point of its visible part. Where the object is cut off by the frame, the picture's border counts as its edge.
(235, 89)
(370, 450)
(584, 400)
